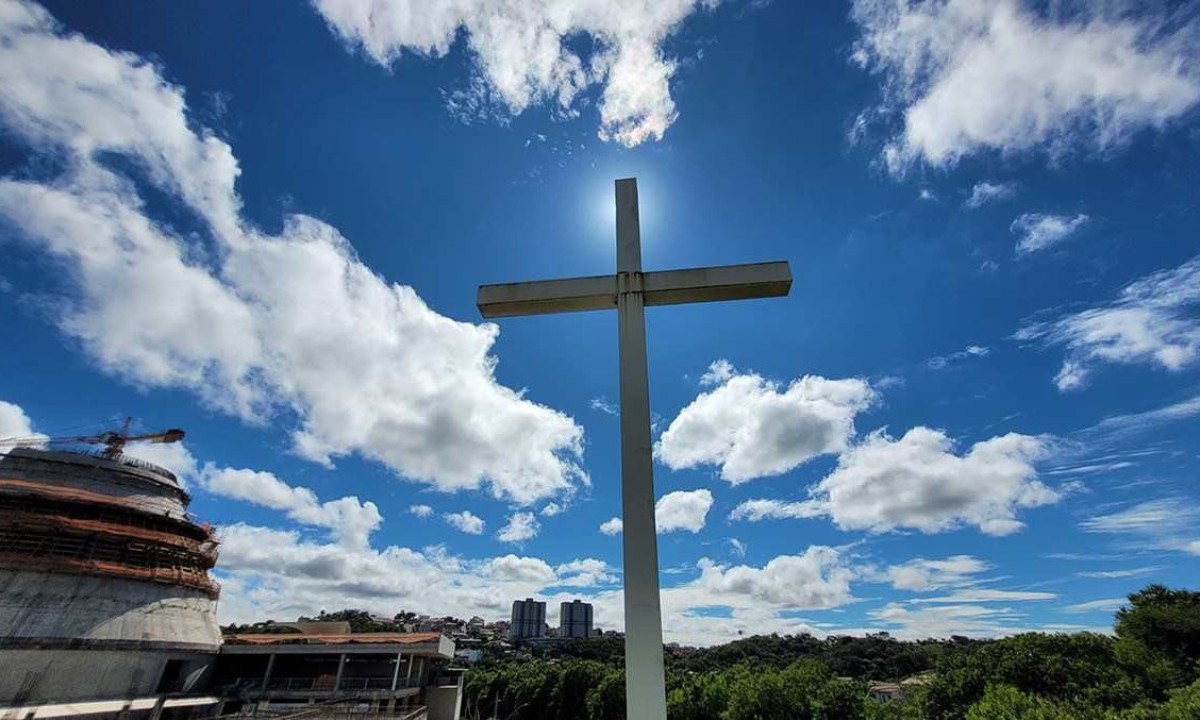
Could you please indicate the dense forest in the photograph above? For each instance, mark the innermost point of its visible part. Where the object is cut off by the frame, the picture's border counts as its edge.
(1146, 670)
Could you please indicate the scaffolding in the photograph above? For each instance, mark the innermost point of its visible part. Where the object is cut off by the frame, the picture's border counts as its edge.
(55, 528)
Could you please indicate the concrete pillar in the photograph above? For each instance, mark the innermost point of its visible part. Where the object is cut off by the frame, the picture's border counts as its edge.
(337, 683)
(267, 674)
(156, 711)
(396, 671)
(645, 681)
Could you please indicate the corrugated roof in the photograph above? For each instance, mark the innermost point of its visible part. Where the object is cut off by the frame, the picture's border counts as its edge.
(332, 638)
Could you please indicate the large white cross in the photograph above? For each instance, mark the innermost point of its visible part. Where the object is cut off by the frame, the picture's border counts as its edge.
(630, 291)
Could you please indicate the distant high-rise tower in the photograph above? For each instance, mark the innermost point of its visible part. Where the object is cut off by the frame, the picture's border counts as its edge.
(528, 619)
(575, 619)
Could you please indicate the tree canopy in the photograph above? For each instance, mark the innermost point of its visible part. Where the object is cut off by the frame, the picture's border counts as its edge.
(1146, 670)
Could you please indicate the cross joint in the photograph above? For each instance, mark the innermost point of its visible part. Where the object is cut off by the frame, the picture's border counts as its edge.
(630, 282)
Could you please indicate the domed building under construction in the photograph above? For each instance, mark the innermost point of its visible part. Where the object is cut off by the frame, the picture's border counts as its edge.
(106, 603)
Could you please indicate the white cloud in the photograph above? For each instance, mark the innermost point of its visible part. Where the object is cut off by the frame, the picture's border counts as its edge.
(815, 579)
(1118, 427)
(927, 194)
(522, 54)
(752, 427)
(283, 575)
(421, 511)
(551, 509)
(257, 325)
(603, 405)
(1163, 524)
(923, 575)
(1037, 231)
(1106, 605)
(587, 572)
(14, 423)
(521, 526)
(175, 457)
(737, 547)
(941, 362)
(1108, 574)
(986, 192)
(682, 510)
(919, 482)
(1145, 517)
(465, 521)
(525, 569)
(946, 620)
(966, 76)
(349, 519)
(718, 373)
(280, 574)
(766, 509)
(612, 526)
(1149, 323)
(980, 595)
(271, 573)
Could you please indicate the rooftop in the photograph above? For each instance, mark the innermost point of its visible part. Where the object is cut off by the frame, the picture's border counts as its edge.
(373, 638)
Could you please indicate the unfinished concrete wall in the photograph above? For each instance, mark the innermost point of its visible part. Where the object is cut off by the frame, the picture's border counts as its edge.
(154, 491)
(53, 676)
(104, 586)
(49, 608)
(444, 702)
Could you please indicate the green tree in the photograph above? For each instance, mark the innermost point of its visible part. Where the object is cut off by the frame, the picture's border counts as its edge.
(606, 701)
(789, 694)
(1079, 668)
(1004, 702)
(1159, 635)
(1184, 703)
(841, 700)
(697, 696)
(575, 680)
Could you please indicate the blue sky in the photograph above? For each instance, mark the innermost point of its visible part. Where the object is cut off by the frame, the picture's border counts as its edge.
(975, 412)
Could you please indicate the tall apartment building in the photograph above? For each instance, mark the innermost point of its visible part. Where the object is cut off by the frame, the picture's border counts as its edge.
(528, 619)
(575, 619)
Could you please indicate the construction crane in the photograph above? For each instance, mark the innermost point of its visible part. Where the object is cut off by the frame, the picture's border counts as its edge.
(114, 441)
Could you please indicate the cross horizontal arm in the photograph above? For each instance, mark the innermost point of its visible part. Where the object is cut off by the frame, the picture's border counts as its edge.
(542, 297)
(665, 287)
(710, 284)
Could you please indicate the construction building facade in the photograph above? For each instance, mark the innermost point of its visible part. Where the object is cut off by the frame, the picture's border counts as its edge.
(106, 603)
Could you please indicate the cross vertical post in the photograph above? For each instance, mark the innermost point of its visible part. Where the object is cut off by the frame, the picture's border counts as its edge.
(630, 291)
(644, 676)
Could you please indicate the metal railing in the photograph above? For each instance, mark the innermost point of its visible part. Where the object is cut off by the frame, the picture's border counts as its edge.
(370, 683)
(338, 708)
(322, 683)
